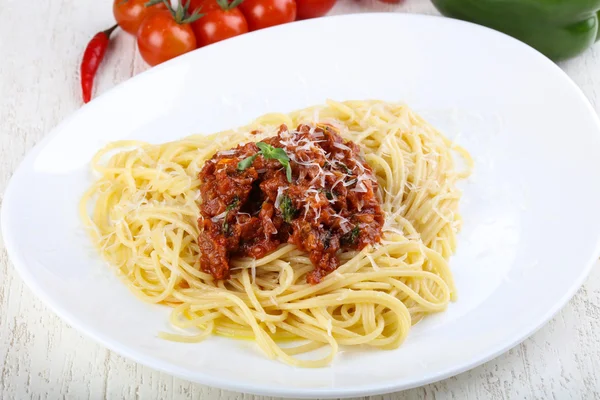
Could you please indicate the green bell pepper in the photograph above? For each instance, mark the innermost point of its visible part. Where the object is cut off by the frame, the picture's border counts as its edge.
(560, 29)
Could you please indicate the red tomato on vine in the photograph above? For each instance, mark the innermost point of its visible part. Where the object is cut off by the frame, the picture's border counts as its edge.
(166, 34)
(264, 13)
(129, 14)
(221, 20)
(313, 8)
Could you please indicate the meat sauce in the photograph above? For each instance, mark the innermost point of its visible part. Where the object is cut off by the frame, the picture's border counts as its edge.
(307, 187)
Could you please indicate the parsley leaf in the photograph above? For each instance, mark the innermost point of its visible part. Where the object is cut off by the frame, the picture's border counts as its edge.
(270, 153)
(328, 193)
(276, 153)
(246, 162)
(345, 167)
(288, 170)
(233, 204)
(349, 239)
(230, 206)
(287, 209)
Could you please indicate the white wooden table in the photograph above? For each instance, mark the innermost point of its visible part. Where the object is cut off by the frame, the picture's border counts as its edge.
(40, 47)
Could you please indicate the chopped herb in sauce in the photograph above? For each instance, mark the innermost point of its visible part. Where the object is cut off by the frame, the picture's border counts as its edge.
(233, 204)
(287, 209)
(350, 238)
(328, 193)
(345, 167)
(230, 207)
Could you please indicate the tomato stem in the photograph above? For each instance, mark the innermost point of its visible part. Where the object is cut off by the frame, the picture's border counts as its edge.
(151, 3)
(180, 15)
(226, 5)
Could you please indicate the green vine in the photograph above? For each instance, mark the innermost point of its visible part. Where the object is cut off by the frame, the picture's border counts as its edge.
(180, 14)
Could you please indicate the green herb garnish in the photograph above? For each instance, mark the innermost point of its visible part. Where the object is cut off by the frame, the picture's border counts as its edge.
(328, 193)
(348, 170)
(279, 154)
(270, 153)
(233, 204)
(287, 209)
(230, 206)
(350, 238)
(246, 162)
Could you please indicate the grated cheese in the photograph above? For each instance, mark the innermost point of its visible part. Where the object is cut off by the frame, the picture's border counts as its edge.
(278, 199)
(218, 217)
(341, 146)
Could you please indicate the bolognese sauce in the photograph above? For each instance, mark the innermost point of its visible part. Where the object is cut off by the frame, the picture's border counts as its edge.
(307, 187)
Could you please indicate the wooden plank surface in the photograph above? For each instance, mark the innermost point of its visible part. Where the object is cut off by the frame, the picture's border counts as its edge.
(42, 357)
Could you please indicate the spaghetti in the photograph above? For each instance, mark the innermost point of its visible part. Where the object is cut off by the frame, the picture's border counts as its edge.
(142, 215)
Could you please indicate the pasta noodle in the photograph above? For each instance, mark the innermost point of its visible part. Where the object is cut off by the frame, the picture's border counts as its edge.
(142, 216)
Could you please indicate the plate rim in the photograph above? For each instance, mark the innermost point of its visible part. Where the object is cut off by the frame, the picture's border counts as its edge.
(206, 379)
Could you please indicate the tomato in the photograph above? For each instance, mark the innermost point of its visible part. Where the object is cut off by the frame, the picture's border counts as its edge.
(313, 8)
(129, 14)
(204, 6)
(219, 25)
(222, 20)
(161, 38)
(264, 13)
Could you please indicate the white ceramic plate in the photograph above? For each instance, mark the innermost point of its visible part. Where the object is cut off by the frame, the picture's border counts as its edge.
(531, 210)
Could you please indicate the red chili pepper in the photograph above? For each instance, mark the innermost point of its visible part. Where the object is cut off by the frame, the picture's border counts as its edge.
(92, 57)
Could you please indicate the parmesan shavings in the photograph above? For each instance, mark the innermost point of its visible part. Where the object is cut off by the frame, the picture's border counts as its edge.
(218, 217)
